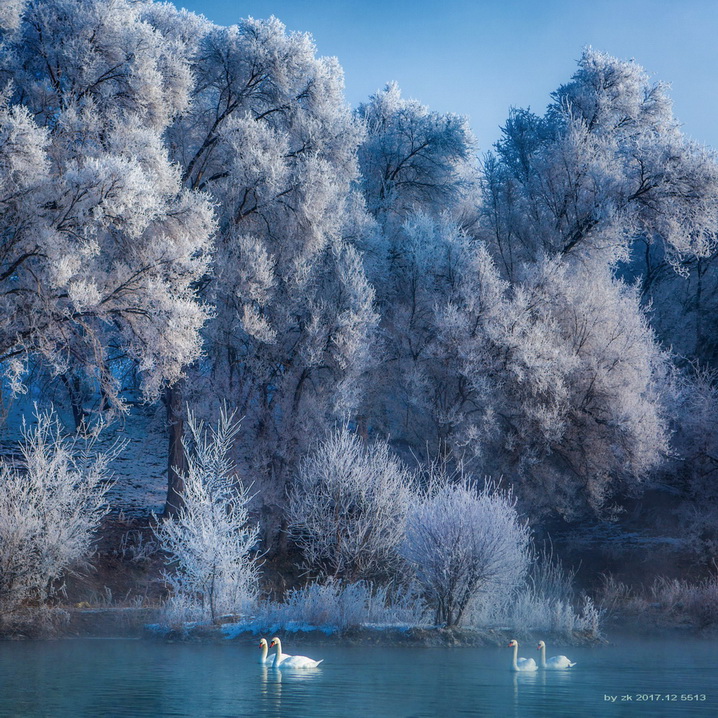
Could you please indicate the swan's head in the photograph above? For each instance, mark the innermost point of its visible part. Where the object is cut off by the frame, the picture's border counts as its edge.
(274, 642)
(540, 645)
(513, 643)
(262, 642)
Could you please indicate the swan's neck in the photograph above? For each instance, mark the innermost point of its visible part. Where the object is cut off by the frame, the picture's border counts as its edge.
(543, 656)
(263, 657)
(516, 653)
(277, 654)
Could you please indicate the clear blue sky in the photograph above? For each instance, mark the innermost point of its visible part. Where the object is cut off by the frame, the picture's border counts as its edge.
(480, 57)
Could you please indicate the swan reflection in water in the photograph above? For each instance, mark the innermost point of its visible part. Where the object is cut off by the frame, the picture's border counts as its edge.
(273, 680)
(532, 688)
(271, 687)
(526, 683)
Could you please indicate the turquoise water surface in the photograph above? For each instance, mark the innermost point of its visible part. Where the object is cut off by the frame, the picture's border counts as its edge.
(133, 678)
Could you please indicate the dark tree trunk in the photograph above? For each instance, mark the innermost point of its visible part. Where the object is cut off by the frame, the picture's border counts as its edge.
(74, 391)
(176, 461)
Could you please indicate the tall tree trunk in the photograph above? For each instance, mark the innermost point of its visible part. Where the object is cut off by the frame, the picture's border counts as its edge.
(74, 391)
(176, 460)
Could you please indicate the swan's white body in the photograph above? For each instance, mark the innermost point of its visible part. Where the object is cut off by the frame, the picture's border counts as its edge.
(555, 661)
(282, 660)
(264, 659)
(521, 664)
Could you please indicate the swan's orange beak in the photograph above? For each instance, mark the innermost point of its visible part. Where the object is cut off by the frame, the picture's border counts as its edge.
(271, 644)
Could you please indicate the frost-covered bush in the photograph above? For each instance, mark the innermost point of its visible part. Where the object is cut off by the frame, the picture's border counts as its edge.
(615, 597)
(669, 602)
(530, 610)
(51, 503)
(549, 578)
(210, 543)
(464, 544)
(347, 507)
(695, 602)
(335, 604)
(546, 602)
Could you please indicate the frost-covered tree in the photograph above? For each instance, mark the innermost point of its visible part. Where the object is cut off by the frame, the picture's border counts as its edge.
(418, 177)
(347, 507)
(605, 166)
(682, 306)
(606, 181)
(414, 392)
(464, 544)
(269, 136)
(553, 380)
(210, 543)
(100, 244)
(613, 177)
(413, 158)
(52, 501)
(561, 381)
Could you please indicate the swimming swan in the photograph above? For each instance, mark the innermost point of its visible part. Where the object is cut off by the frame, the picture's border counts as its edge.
(555, 661)
(521, 664)
(264, 659)
(291, 661)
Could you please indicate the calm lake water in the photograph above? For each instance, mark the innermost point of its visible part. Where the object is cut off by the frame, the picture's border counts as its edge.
(117, 678)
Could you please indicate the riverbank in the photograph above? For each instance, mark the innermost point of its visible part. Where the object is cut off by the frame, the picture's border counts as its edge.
(125, 622)
(145, 623)
(122, 594)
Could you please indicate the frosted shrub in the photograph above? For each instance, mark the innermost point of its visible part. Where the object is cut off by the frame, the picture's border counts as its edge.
(51, 503)
(347, 507)
(528, 610)
(465, 544)
(546, 602)
(615, 597)
(531, 610)
(181, 609)
(590, 618)
(549, 578)
(210, 542)
(696, 602)
(336, 604)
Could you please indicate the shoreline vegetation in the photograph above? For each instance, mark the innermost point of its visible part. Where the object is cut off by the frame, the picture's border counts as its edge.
(461, 568)
(73, 622)
(122, 593)
(201, 575)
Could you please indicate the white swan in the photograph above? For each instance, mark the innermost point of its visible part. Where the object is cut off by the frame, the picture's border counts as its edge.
(264, 659)
(521, 664)
(271, 660)
(555, 661)
(282, 660)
